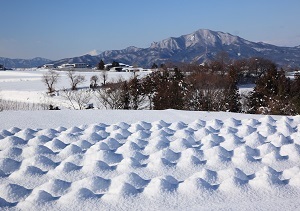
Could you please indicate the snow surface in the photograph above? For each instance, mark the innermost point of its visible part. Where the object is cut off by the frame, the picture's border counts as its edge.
(130, 161)
(146, 160)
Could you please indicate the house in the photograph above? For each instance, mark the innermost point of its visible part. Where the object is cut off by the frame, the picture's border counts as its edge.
(80, 65)
(109, 66)
(132, 69)
(48, 66)
(66, 66)
(73, 65)
(116, 69)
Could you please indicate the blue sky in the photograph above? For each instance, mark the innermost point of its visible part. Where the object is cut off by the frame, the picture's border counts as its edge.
(58, 29)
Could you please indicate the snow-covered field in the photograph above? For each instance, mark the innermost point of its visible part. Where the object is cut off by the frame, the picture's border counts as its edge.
(27, 86)
(147, 160)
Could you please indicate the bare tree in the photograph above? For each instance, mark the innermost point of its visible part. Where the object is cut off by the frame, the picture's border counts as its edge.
(111, 96)
(50, 78)
(94, 81)
(78, 99)
(75, 80)
(104, 76)
(221, 62)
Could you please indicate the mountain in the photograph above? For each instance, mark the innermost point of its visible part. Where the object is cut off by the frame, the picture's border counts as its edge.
(199, 46)
(23, 63)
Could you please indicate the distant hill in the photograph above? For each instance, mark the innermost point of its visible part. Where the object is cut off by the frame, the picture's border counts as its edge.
(199, 46)
(23, 63)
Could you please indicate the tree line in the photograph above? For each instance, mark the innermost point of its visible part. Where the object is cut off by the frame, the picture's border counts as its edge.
(208, 87)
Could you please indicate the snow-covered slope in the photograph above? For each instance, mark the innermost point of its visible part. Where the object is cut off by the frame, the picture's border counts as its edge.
(205, 163)
(203, 37)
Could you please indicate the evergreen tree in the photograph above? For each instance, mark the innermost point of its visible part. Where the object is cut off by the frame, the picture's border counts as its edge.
(177, 89)
(170, 91)
(135, 92)
(115, 64)
(272, 93)
(161, 97)
(232, 97)
(125, 96)
(100, 65)
(295, 94)
(154, 66)
(149, 87)
(163, 66)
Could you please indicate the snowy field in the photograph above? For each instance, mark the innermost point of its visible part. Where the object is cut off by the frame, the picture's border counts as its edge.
(145, 160)
(27, 86)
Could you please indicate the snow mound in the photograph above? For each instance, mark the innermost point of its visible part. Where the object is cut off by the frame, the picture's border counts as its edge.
(11, 141)
(195, 184)
(178, 125)
(14, 130)
(251, 122)
(26, 134)
(82, 194)
(266, 129)
(12, 152)
(40, 196)
(6, 204)
(278, 139)
(161, 184)
(96, 184)
(231, 142)
(245, 130)
(292, 151)
(122, 125)
(99, 165)
(55, 187)
(215, 124)
(233, 184)
(254, 140)
(267, 177)
(137, 127)
(232, 122)
(69, 150)
(96, 166)
(128, 163)
(140, 134)
(41, 139)
(13, 192)
(67, 167)
(56, 145)
(8, 165)
(41, 162)
(36, 150)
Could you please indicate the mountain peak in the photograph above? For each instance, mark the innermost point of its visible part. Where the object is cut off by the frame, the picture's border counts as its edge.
(198, 46)
(93, 52)
(201, 38)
